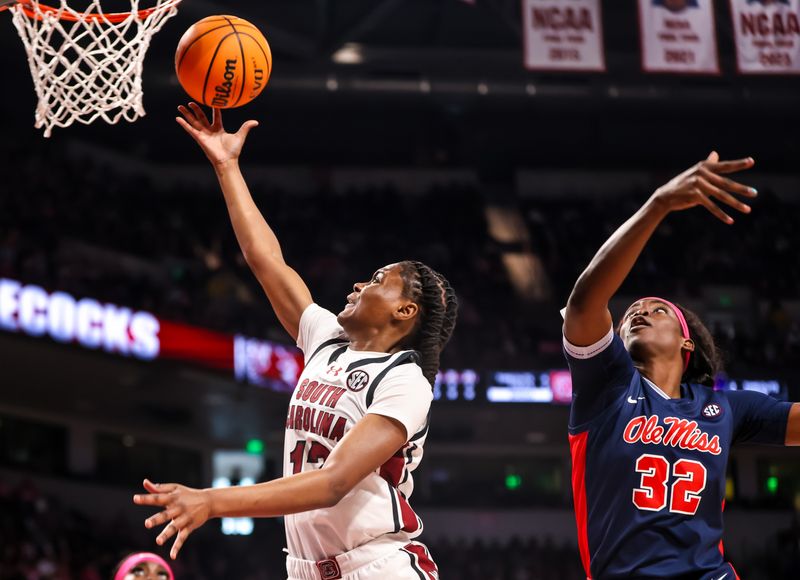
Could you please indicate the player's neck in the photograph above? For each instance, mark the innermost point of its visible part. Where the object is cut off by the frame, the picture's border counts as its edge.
(666, 375)
(373, 340)
(387, 338)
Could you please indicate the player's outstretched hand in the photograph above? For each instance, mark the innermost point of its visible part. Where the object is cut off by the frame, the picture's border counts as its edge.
(705, 184)
(185, 510)
(219, 146)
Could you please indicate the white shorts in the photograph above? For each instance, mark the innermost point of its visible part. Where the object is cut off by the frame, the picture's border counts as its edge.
(411, 561)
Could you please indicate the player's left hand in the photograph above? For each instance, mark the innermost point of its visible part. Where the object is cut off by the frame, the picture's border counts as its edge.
(185, 510)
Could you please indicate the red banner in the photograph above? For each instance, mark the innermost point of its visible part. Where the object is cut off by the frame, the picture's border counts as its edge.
(678, 36)
(767, 36)
(563, 35)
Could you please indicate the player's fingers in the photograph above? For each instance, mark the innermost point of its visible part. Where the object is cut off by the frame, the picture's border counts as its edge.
(188, 115)
(158, 519)
(169, 530)
(186, 126)
(156, 499)
(722, 195)
(727, 184)
(714, 209)
(713, 157)
(246, 126)
(183, 521)
(199, 113)
(178, 544)
(731, 166)
(216, 118)
(190, 118)
(159, 487)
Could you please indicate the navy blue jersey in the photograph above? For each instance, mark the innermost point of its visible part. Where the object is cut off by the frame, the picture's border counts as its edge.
(649, 471)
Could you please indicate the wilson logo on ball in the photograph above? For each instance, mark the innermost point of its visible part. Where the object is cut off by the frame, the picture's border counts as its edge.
(712, 410)
(357, 380)
(223, 61)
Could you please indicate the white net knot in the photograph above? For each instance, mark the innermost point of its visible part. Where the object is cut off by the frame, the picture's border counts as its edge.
(87, 64)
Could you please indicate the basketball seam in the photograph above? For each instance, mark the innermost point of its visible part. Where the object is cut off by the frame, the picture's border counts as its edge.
(191, 44)
(244, 61)
(267, 59)
(211, 64)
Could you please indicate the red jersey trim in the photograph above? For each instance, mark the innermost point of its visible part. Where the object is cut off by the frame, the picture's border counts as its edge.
(577, 445)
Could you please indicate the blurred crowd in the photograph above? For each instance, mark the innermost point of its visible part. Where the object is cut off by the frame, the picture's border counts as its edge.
(746, 276)
(84, 229)
(42, 539)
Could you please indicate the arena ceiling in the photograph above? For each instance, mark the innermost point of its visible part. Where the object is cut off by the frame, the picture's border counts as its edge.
(387, 82)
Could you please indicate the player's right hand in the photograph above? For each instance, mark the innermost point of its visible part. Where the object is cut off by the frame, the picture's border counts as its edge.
(185, 510)
(220, 147)
(704, 184)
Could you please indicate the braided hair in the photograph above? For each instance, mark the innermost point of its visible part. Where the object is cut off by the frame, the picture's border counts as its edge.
(706, 360)
(438, 306)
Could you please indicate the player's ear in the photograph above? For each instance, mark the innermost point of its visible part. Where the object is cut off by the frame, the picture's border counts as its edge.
(688, 344)
(406, 311)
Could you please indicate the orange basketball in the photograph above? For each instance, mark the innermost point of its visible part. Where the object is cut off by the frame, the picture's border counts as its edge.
(223, 61)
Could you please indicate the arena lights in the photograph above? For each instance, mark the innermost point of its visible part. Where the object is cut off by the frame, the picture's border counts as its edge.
(36, 312)
(32, 310)
(772, 485)
(255, 446)
(232, 468)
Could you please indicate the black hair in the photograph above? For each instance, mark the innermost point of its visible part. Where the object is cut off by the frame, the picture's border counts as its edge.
(438, 307)
(706, 360)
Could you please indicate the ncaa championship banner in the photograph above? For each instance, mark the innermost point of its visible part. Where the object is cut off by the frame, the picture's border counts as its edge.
(767, 36)
(563, 35)
(678, 36)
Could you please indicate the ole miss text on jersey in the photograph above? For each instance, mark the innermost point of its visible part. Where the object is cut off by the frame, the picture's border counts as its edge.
(649, 471)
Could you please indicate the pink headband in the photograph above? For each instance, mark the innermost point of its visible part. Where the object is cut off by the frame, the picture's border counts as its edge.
(682, 320)
(135, 559)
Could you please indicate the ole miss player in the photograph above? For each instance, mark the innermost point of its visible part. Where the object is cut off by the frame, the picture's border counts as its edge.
(358, 418)
(649, 436)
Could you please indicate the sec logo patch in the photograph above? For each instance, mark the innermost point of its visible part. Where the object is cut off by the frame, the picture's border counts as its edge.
(712, 410)
(357, 380)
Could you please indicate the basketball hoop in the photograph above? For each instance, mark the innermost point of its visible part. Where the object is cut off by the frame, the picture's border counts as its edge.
(87, 64)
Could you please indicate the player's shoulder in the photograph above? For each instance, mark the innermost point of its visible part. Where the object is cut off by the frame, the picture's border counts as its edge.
(404, 363)
(382, 372)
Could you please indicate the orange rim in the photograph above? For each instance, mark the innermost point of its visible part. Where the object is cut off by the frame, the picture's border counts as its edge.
(113, 17)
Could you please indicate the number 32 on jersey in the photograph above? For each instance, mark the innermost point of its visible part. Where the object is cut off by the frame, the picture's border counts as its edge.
(688, 482)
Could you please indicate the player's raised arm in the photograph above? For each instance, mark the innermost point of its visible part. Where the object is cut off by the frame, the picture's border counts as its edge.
(286, 291)
(587, 318)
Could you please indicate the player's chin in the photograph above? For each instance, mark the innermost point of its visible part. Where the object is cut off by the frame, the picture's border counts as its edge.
(346, 313)
(635, 342)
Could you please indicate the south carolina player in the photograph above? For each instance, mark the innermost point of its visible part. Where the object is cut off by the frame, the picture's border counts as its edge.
(358, 417)
(649, 437)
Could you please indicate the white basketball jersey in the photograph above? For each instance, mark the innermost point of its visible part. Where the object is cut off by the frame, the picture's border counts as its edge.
(337, 388)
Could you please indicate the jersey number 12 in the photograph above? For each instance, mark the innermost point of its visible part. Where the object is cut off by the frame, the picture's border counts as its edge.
(684, 497)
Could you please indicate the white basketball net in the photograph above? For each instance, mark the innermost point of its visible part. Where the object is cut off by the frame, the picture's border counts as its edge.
(87, 64)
